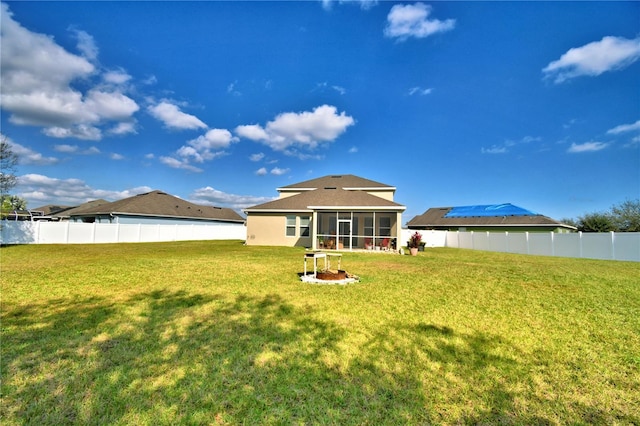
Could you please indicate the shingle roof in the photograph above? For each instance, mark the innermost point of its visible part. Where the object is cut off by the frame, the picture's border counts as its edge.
(79, 209)
(328, 198)
(338, 181)
(50, 209)
(158, 203)
(436, 217)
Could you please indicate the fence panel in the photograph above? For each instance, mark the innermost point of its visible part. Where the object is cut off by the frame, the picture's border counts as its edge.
(567, 245)
(627, 246)
(87, 233)
(597, 245)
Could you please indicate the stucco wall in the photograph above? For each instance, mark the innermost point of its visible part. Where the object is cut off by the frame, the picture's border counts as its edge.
(269, 229)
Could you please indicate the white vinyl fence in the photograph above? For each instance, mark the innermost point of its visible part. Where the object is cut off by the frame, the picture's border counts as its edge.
(89, 233)
(601, 245)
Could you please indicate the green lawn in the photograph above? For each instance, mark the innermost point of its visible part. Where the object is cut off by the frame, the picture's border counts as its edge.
(220, 333)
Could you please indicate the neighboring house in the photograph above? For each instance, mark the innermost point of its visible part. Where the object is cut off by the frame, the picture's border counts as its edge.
(495, 217)
(340, 212)
(65, 214)
(156, 207)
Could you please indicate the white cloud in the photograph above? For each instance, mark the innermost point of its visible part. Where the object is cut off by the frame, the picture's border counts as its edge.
(299, 130)
(91, 151)
(364, 4)
(40, 190)
(406, 21)
(69, 149)
(211, 196)
(80, 131)
(610, 53)
(116, 156)
(262, 171)
(204, 148)
(172, 117)
(494, 150)
(37, 76)
(213, 139)
(179, 164)
(29, 156)
(86, 44)
(586, 147)
(420, 91)
(117, 77)
(508, 144)
(256, 157)
(277, 171)
(353, 150)
(123, 128)
(624, 128)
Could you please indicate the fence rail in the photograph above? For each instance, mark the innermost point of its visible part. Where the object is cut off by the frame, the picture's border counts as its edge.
(607, 245)
(90, 233)
(601, 245)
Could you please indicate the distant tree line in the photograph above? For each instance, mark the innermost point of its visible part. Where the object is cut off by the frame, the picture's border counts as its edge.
(623, 217)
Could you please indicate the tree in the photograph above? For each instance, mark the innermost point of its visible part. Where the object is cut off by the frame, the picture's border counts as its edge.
(596, 222)
(8, 162)
(626, 216)
(13, 202)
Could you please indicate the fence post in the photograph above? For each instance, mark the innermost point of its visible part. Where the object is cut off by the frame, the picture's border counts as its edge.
(613, 245)
(526, 237)
(93, 233)
(580, 244)
(553, 245)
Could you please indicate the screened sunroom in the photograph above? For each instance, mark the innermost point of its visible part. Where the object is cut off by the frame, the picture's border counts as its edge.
(356, 230)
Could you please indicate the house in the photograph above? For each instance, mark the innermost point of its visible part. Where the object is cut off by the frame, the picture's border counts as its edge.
(494, 217)
(56, 213)
(335, 212)
(155, 207)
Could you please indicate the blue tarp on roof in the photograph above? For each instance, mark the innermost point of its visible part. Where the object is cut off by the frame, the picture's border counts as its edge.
(491, 210)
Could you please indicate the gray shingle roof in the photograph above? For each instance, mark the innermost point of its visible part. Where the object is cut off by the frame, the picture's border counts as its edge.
(434, 218)
(327, 198)
(161, 204)
(338, 181)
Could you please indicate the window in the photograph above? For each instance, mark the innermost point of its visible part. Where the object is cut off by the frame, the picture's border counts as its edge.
(291, 226)
(368, 226)
(305, 222)
(385, 227)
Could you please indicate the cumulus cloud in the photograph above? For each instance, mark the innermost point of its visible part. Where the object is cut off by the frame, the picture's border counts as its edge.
(406, 21)
(262, 171)
(256, 157)
(40, 190)
(623, 128)
(28, 156)
(37, 84)
(299, 130)
(212, 196)
(173, 118)
(576, 148)
(124, 128)
(180, 164)
(204, 148)
(609, 54)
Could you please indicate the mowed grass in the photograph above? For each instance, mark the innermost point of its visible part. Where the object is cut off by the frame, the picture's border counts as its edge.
(220, 333)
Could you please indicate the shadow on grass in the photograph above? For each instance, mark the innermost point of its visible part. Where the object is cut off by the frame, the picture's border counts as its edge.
(167, 357)
(171, 357)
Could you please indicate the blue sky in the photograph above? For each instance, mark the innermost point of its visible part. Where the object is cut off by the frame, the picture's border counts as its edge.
(454, 103)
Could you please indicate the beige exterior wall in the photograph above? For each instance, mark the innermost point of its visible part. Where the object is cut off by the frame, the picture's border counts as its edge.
(269, 229)
(387, 195)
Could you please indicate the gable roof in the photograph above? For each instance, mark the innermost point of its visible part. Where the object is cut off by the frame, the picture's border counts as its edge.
(325, 198)
(495, 215)
(337, 181)
(161, 204)
(79, 209)
(51, 209)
